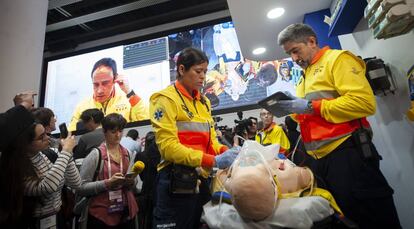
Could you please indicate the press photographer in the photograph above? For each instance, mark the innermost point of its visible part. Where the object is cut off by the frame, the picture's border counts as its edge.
(224, 133)
(242, 129)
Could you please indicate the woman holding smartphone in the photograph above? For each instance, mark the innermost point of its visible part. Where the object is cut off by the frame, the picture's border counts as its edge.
(111, 201)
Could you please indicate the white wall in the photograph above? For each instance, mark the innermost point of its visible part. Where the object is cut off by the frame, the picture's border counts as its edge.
(393, 133)
(22, 35)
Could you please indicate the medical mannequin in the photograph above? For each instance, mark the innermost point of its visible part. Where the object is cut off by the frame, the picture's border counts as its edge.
(255, 189)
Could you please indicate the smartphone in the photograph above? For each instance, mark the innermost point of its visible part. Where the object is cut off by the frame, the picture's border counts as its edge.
(63, 130)
(129, 175)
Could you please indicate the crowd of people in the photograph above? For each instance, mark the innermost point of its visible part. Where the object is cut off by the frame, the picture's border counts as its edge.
(333, 100)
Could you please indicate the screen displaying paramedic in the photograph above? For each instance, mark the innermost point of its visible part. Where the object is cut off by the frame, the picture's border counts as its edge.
(111, 94)
(334, 99)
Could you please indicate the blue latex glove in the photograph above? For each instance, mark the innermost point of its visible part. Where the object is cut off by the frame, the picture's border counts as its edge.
(225, 159)
(281, 156)
(294, 106)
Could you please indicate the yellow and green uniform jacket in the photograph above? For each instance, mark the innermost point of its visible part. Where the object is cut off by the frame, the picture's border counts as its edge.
(341, 97)
(274, 134)
(132, 109)
(184, 128)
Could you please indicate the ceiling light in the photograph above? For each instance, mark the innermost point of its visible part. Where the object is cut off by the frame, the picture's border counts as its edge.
(259, 51)
(275, 13)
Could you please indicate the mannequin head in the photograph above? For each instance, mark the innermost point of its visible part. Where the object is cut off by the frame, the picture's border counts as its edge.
(257, 203)
(290, 177)
(253, 191)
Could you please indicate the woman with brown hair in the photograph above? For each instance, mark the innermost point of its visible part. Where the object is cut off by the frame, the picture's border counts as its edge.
(110, 203)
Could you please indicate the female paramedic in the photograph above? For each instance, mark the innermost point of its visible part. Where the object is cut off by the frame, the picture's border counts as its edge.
(185, 136)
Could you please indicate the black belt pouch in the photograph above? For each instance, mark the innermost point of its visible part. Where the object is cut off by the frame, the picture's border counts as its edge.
(183, 179)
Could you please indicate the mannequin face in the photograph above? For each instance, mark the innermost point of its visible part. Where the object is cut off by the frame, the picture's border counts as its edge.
(253, 191)
(257, 203)
(291, 178)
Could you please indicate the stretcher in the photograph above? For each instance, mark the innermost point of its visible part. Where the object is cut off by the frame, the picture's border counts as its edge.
(301, 212)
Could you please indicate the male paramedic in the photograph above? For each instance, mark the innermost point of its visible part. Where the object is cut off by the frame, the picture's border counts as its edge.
(111, 94)
(333, 100)
(272, 133)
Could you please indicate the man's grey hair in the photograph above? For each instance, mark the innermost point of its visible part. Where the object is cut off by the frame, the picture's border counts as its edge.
(298, 33)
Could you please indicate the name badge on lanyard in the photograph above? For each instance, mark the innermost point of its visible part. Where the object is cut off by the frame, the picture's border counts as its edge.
(116, 203)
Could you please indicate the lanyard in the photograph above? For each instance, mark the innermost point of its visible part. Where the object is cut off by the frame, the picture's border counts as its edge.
(109, 161)
(184, 106)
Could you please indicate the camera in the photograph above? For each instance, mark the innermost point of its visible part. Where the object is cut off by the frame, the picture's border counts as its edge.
(217, 119)
(242, 128)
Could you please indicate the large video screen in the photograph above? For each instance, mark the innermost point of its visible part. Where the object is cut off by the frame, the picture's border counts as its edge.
(149, 66)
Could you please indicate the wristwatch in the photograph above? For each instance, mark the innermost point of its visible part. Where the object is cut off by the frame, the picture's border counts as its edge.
(131, 93)
(309, 108)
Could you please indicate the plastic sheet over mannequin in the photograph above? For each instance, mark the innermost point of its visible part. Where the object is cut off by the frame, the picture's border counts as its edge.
(263, 191)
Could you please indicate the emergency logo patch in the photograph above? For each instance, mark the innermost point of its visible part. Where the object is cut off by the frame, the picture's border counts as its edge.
(355, 71)
(318, 69)
(159, 113)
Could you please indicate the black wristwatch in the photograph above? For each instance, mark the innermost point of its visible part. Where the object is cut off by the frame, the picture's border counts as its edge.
(131, 93)
(310, 107)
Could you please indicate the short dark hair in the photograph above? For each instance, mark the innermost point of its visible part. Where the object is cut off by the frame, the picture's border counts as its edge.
(93, 114)
(113, 121)
(133, 133)
(43, 115)
(254, 118)
(108, 62)
(298, 32)
(189, 57)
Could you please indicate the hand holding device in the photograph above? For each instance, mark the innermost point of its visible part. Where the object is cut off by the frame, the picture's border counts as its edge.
(63, 130)
(136, 169)
(284, 103)
(116, 181)
(68, 143)
(296, 106)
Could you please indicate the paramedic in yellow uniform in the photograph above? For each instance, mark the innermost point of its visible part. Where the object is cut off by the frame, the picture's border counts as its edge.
(109, 95)
(185, 136)
(334, 99)
(272, 133)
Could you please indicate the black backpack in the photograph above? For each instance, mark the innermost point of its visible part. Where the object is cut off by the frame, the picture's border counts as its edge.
(76, 217)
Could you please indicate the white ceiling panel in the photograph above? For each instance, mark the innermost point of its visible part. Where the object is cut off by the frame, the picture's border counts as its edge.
(254, 29)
